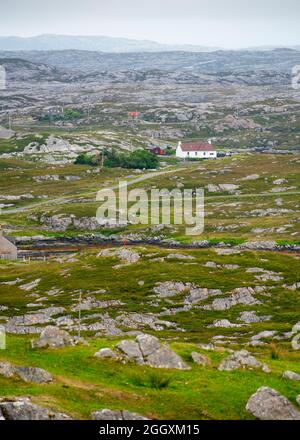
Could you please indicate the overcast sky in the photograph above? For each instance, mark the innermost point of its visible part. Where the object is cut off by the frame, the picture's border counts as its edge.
(226, 23)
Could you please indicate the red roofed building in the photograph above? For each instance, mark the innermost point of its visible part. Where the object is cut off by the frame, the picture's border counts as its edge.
(158, 151)
(196, 150)
(133, 115)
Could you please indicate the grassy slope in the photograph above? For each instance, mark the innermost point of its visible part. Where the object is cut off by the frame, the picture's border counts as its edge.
(84, 383)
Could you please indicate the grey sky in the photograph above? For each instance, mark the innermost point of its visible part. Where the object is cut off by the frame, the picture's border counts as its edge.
(227, 23)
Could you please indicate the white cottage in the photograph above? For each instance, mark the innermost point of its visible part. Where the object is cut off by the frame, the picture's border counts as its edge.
(196, 150)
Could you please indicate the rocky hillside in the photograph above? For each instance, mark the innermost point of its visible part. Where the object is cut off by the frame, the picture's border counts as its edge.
(216, 335)
(18, 69)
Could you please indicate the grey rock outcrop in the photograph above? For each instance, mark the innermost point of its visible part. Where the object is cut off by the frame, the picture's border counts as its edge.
(164, 357)
(148, 350)
(31, 374)
(53, 337)
(106, 353)
(224, 323)
(21, 408)
(241, 360)
(31, 285)
(170, 288)
(6, 369)
(242, 295)
(200, 359)
(268, 404)
(198, 294)
(256, 340)
(27, 374)
(252, 317)
(127, 256)
(109, 414)
(291, 375)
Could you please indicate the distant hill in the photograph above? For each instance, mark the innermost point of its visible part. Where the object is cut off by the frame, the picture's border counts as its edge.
(92, 43)
(229, 62)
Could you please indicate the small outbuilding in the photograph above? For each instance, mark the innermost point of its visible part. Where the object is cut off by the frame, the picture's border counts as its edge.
(8, 251)
(158, 151)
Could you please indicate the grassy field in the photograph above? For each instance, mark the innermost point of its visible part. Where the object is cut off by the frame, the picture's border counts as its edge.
(258, 209)
(84, 383)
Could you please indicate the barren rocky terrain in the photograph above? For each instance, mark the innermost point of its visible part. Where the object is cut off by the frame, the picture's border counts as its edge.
(111, 321)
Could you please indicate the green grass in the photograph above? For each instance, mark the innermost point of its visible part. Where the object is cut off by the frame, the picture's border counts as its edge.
(84, 384)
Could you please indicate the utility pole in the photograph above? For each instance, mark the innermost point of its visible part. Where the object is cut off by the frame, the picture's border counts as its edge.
(9, 121)
(79, 314)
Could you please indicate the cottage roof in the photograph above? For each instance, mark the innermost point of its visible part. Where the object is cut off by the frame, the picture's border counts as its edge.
(197, 146)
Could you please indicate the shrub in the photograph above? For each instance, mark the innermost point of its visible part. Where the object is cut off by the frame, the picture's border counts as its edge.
(139, 159)
(274, 352)
(155, 380)
(83, 159)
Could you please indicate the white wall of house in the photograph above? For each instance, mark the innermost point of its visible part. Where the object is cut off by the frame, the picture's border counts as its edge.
(195, 154)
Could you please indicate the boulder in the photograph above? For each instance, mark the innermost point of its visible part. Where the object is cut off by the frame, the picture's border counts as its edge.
(294, 286)
(268, 404)
(198, 294)
(241, 360)
(200, 359)
(170, 288)
(109, 414)
(259, 245)
(27, 374)
(228, 187)
(224, 323)
(242, 295)
(126, 255)
(279, 181)
(291, 375)
(106, 353)
(147, 349)
(21, 408)
(31, 374)
(148, 344)
(164, 357)
(251, 177)
(252, 317)
(256, 340)
(132, 350)
(27, 320)
(7, 369)
(53, 337)
(180, 257)
(211, 264)
(31, 285)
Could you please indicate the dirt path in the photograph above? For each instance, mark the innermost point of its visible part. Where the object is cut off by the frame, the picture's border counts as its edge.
(146, 176)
